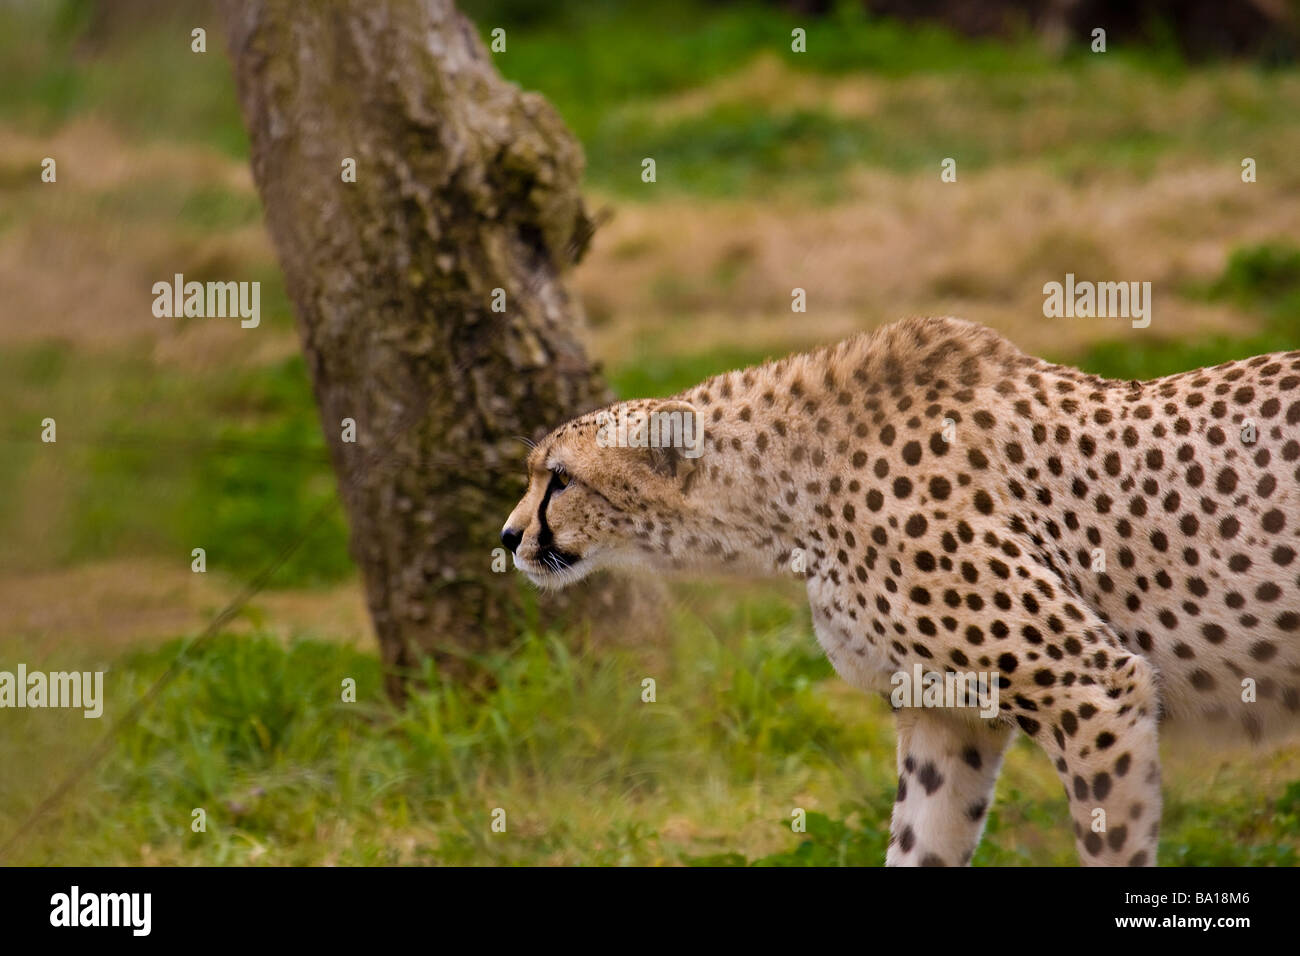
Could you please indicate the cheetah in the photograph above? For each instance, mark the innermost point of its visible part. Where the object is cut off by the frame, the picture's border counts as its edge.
(1119, 556)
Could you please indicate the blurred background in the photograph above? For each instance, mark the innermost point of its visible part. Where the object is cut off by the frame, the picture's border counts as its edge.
(775, 170)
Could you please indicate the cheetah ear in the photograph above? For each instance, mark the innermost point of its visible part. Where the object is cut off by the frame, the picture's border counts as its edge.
(676, 440)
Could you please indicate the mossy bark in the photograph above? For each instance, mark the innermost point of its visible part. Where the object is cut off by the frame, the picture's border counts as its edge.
(464, 185)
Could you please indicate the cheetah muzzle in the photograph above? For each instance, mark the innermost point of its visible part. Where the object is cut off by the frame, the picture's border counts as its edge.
(1117, 555)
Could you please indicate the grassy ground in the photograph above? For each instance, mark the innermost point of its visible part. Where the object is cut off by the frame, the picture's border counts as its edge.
(776, 170)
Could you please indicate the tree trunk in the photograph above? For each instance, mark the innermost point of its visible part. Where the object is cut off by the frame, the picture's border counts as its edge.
(464, 185)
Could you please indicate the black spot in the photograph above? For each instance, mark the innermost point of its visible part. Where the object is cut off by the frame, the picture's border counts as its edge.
(1101, 785)
(1117, 836)
(1028, 725)
(906, 839)
(930, 778)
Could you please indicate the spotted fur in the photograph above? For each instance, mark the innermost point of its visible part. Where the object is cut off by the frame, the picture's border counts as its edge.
(975, 547)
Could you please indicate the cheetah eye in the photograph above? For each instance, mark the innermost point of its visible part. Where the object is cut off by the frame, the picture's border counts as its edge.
(559, 480)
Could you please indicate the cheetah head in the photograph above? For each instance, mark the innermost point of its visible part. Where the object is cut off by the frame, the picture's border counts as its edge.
(603, 488)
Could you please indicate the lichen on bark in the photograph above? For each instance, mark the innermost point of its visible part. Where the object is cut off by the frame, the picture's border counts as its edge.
(464, 184)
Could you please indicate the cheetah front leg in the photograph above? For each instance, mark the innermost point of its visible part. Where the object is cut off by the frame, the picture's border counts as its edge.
(1092, 705)
(1103, 742)
(947, 767)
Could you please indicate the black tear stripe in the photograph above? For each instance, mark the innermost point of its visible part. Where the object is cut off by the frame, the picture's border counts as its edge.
(544, 536)
(546, 539)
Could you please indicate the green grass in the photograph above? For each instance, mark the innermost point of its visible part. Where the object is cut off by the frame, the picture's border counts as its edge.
(204, 210)
(53, 74)
(256, 733)
(657, 374)
(156, 460)
(605, 68)
(604, 76)
(747, 148)
(748, 724)
(605, 61)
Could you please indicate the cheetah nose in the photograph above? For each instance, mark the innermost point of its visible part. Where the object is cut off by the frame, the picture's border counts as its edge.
(511, 538)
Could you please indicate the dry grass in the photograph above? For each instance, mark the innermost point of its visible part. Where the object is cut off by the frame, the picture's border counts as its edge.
(682, 275)
(80, 256)
(136, 602)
